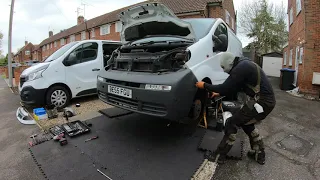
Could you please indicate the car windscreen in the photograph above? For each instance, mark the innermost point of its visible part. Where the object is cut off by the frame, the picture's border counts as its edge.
(201, 27)
(60, 52)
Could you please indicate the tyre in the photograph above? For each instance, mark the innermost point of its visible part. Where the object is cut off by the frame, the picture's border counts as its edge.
(197, 109)
(59, 96)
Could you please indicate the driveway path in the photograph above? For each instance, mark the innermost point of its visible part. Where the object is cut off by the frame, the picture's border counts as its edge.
(16, 161)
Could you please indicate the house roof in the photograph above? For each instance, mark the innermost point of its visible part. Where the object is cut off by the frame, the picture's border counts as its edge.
(273, 54)
(177, 6)
(23, 48)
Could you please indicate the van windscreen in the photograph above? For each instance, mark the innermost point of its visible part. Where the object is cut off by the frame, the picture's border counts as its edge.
(201, 26)
(60, 52)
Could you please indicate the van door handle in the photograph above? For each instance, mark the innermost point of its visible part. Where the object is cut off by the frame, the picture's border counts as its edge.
(95, 69)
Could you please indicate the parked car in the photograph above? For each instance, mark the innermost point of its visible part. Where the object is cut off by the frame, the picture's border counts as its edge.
(162, 57)
(68, 73)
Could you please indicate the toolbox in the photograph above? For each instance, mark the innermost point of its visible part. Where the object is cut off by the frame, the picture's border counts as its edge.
(75, 128)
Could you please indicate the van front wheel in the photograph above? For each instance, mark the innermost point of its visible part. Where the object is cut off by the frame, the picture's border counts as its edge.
(58, 96)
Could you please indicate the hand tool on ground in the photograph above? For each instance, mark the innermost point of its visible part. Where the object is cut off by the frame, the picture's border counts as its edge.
(94, 137)
(33, 137)
(104, 174)
(61, 138)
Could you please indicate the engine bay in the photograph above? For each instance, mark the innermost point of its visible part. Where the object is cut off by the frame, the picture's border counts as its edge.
(152, 57)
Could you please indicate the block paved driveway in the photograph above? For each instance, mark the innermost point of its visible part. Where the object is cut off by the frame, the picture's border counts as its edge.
(291, 132)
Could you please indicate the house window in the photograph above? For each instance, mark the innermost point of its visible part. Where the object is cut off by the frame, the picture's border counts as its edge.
(291, 16)
(83, 35)
(301, 54)
(47, 46)
(227, 17)
(285, 59)
(72, 38)
(27, 53)
(118, 26)
(298, 6)
(93, 34)
(297, 54)
(61, 42)
(290, 57)
(50, 45)
(55, 44)
(43, 48)
(105, 29)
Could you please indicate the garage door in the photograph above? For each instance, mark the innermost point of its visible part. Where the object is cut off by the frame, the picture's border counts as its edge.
(271, 66)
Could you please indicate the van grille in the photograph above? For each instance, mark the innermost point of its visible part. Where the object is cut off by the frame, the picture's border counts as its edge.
(22, 80)
(135, 105)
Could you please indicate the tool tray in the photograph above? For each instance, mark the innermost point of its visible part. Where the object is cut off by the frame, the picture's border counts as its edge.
(75, 128)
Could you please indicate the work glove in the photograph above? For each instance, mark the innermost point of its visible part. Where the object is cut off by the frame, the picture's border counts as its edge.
(200, 85)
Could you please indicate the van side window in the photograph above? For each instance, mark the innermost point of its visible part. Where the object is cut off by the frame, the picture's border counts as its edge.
(222, 29)
(89, 52)
(84, 53)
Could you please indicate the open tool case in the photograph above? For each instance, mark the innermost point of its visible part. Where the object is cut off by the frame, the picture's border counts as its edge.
(75, 128)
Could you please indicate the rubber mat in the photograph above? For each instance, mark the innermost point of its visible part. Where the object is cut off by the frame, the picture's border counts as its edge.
(114, 112)
(211, 140)
(132, 147)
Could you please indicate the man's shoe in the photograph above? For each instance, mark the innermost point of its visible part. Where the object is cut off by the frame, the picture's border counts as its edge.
(260, 156)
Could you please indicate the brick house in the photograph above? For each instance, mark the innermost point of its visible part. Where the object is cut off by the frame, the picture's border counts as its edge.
(108, 27)
(36, 53)
(24, 54)
(302, 52)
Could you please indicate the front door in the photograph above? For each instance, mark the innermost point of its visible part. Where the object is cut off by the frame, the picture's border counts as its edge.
(296, 67)
(83, 65)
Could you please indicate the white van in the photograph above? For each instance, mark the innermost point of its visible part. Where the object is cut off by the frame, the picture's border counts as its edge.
(69, 72)
(162, 57)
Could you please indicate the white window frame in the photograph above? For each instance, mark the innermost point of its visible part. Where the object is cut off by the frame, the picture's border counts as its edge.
(27, 52)
(290, 57)
(93, 33)
(118, 26)
(227, 17)
(55, 43)
(105, 29)
(43, 48)
(300, 55)
(62, 42)
(83, 35)
(297, 53)
(298, 7)
(233, 24)
(291, 16)
(72, 38)
(285, 58)
(47, 46)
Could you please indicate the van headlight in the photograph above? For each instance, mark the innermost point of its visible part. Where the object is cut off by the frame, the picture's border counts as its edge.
(100, 79)
(36, 74)
(158, 87)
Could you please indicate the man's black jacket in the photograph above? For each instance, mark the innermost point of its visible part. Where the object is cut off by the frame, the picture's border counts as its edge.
(244, 72)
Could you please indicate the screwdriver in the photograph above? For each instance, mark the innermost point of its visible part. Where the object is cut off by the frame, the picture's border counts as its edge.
(94, 137)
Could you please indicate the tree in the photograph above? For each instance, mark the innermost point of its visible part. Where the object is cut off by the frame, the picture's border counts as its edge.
(265, 24)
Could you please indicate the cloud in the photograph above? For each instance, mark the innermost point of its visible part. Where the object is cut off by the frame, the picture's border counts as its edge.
(34, 18)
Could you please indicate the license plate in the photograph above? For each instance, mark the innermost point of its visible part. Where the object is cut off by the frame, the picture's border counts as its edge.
(120, 91)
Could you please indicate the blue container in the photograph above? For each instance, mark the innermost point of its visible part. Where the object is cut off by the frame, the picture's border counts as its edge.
(39, 111)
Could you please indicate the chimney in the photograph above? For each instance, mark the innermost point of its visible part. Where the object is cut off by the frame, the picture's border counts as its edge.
(50, 33)
(25, 43)
(80, 20)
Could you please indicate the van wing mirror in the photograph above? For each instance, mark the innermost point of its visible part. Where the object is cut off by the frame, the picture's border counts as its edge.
(220, 42)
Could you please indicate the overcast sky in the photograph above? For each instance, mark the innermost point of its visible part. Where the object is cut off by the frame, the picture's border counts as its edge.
(34, 18)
